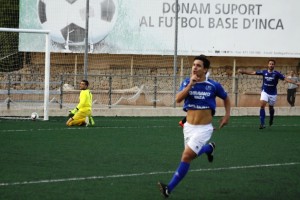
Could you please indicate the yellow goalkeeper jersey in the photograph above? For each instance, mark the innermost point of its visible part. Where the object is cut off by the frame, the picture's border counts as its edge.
(85, 100)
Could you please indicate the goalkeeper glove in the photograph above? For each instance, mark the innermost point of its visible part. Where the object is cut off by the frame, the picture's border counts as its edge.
(73, 112)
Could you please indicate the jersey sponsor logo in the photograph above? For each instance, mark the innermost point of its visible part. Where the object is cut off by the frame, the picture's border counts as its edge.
(198, 107)
(199, 93)
(268, 84)
(199, 97)
(269, 78)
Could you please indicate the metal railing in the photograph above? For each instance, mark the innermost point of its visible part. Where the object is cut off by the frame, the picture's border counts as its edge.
(113, 90)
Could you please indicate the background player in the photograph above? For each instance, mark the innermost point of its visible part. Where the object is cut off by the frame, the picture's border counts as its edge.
(269, 90)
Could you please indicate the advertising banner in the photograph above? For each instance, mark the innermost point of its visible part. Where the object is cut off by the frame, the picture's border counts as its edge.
(251, 28)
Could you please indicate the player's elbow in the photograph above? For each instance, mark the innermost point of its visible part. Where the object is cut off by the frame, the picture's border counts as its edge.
(178, 99)
(227, 102)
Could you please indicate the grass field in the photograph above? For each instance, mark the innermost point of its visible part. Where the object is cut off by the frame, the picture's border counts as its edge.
(124, 157)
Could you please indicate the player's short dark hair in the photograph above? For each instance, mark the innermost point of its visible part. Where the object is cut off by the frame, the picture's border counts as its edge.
(86, 82)
(205, 61)
(272, 61)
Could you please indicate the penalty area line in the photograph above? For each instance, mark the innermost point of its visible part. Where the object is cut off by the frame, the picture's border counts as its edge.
(143, 174)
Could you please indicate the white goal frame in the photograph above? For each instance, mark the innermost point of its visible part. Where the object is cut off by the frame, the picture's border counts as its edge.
(47, 62)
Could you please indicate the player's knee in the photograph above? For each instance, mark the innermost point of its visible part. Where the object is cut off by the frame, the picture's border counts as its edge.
(188, 156)
(186, 159)
(69, 123)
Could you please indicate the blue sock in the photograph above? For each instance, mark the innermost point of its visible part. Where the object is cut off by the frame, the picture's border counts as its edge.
(179, 174)
(262, 115)
(205, 149)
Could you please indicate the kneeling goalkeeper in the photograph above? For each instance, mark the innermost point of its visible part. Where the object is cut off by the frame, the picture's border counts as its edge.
(82, 114)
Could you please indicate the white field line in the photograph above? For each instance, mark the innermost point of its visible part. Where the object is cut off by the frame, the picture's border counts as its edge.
(77, 128)
(144, 174)
(127, 127)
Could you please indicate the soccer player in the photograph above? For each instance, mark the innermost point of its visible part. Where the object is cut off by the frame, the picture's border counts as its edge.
(199, 97)
(269, 90)
(182, 122)
(82, 114)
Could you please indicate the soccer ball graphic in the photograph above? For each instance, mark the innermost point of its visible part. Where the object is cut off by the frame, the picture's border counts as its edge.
(66, 20)
(34, 116)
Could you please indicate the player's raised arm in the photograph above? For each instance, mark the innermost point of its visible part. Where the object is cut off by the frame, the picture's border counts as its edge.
(240, 71)
(184, 93)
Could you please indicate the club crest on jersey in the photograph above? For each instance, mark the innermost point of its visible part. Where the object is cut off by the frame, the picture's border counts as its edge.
(208, 87)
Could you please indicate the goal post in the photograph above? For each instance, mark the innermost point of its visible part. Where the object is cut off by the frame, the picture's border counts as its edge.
(47, 62)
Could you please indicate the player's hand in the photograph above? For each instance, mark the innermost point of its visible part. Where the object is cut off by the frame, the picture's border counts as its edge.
(73, 112)
(223, 121)
(193, 80)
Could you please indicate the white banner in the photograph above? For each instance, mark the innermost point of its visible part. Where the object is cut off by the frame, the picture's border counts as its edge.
(253, 28)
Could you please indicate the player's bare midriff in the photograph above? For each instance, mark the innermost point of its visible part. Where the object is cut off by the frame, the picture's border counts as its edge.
(199, 117)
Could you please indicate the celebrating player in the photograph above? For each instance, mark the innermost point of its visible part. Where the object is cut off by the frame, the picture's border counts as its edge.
(182, 122)
(199, 97)
(269, 90)
(82, 114)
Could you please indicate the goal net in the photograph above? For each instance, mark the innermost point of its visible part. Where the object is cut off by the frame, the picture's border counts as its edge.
(22, 88)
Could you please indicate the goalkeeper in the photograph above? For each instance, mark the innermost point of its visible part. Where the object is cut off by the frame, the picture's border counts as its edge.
(82, 114)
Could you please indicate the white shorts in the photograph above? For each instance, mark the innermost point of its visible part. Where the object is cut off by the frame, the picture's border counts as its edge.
(196, 136)
(271, 99)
